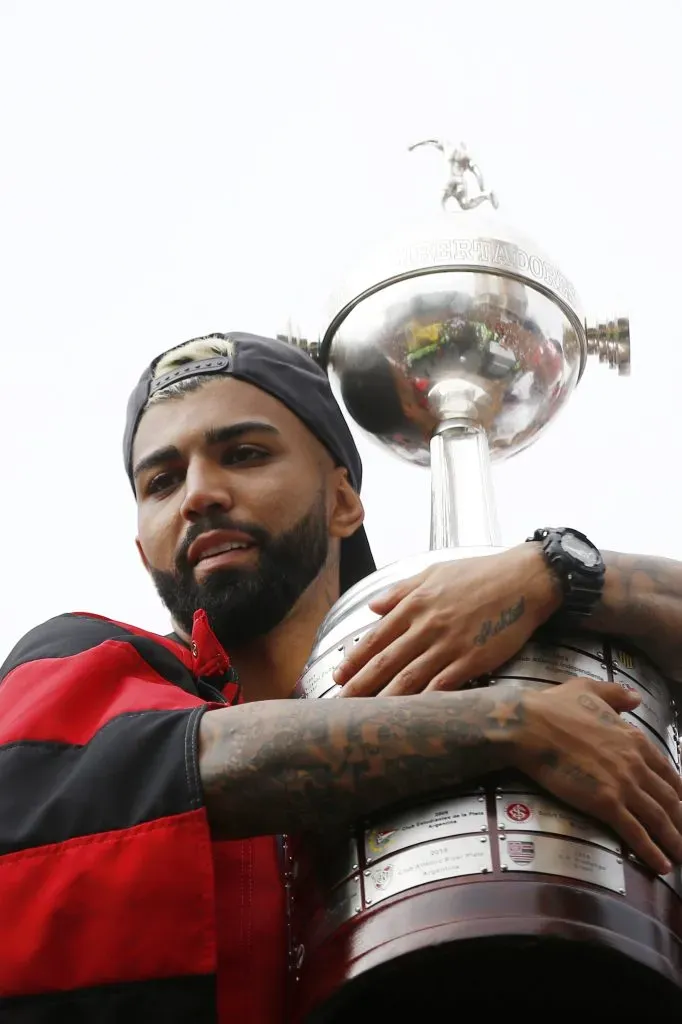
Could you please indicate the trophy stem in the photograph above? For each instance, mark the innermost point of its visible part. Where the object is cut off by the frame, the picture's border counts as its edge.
(462, 498)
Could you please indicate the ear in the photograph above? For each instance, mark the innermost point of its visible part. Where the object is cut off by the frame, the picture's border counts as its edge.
(141, 553)
(346, 513)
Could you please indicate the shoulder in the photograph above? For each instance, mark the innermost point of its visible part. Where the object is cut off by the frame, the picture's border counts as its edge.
(75, 633)
(61, 637)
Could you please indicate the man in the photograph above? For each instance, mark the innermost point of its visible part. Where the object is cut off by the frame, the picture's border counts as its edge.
(139, 877)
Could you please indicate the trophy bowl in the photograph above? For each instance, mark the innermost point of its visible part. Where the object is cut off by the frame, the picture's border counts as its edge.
(453, 345)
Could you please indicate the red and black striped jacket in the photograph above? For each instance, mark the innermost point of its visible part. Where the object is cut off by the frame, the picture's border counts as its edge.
(115, 904)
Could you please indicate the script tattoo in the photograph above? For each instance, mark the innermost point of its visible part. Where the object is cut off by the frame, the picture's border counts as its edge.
(578, 775)
(551, 759)
(507, 618)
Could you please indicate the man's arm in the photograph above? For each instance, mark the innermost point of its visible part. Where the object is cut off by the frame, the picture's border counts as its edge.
(462, 619)
(277, 766)
(642, 602)
(297, 765)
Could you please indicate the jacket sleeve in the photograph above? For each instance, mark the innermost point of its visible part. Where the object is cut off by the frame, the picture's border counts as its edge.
(105, 852)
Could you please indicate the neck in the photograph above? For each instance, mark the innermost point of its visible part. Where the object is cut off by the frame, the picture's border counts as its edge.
(270, 666)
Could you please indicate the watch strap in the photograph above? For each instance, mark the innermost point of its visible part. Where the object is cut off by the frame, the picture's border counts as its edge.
(582, 585)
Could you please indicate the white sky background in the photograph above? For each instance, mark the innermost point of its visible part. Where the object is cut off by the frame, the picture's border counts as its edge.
(170, 169)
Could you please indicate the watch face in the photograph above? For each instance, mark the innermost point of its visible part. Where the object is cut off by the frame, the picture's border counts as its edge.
(580, 550)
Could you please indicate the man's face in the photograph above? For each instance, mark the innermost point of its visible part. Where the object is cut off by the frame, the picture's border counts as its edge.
(233, 494)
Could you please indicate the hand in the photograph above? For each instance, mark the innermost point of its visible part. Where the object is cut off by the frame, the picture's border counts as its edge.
(574, 744)
(453, 622)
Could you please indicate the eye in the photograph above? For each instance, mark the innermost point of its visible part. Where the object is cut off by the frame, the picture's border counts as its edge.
(162, 482)
(244, 453)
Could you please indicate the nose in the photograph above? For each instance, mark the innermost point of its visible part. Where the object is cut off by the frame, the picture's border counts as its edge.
(206, 490)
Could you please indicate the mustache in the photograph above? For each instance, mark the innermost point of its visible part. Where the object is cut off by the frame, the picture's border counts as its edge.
(206, 524)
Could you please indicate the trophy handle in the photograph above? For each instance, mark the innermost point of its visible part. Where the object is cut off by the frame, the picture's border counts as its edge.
(611, 342)
(297, 339)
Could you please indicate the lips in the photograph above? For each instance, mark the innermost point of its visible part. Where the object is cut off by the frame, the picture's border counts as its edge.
(217, 542)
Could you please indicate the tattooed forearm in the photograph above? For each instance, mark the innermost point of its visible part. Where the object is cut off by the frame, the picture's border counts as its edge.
(279, 766)
(507, 618)
(642, 602)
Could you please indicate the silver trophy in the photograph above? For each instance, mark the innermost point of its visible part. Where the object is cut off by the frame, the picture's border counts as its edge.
(453, 345)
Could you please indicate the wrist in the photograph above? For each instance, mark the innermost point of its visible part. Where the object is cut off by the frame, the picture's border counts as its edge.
(530, 738)
(576, 564)
(544, 594)
(509, 723)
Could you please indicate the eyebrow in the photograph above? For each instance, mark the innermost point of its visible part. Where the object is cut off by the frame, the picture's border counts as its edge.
(216, 435)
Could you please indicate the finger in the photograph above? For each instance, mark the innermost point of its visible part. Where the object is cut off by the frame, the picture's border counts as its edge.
(373, 643)
(633, 833)
(654, 816)
(452, 677)
(609, 807)
(416, 677)
(385, 666)
(386, 602)
(616, 696)
(659, 763)
(665, 795)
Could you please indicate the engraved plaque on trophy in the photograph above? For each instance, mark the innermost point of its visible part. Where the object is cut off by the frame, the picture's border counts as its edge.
(455, 344)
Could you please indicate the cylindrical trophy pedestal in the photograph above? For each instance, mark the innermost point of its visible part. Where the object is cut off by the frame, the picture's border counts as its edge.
(493, 897)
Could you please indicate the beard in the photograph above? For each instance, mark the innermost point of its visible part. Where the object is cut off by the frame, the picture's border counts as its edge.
(243, 604)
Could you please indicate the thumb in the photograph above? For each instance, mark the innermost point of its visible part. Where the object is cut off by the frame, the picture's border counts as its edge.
(618, 697)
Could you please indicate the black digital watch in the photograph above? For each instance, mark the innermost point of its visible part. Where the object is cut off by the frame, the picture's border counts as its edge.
(576, 564)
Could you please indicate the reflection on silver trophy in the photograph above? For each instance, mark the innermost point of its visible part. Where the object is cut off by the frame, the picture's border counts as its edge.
(453, 345)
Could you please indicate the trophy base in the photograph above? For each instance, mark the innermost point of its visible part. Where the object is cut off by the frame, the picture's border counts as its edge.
(516, 978)
(516, 920)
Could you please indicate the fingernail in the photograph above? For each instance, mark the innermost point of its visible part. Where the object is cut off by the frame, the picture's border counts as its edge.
(667, 867)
